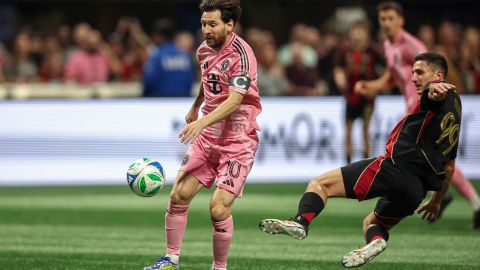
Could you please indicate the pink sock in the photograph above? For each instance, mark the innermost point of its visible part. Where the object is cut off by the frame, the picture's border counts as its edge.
(463, 185)
(175, 224)
(222, 236)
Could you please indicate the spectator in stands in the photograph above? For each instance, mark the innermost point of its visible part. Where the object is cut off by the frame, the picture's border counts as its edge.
(426, 34)
(80, 35)
(20, 67)
(63, 37)
(469, 59)
(448, 44)
(133, 61)
(302, 79)
(52, 69)
(298, 35)
(170, 71)
(271, 75)
(90, 64)
(37, 48)
(129, 44)
(325, 53)
(356, 61)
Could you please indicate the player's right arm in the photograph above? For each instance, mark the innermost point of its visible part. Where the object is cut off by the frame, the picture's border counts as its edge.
(373, 87)
(192, 115)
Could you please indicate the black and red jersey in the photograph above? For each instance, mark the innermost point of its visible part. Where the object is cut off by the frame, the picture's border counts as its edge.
(358, 65)
(424, 140)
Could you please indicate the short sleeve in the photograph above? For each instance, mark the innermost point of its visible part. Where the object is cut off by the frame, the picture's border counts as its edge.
(240, 73)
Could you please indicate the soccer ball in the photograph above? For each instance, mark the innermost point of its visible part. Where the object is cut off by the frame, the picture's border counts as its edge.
(145, 177)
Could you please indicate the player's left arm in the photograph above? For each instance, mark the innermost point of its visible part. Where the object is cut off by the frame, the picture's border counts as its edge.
(431, 208)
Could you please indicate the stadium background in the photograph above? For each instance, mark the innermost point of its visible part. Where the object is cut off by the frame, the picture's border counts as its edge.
(61, 142)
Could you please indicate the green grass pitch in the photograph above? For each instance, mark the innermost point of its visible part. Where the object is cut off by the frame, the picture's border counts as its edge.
(70, 228)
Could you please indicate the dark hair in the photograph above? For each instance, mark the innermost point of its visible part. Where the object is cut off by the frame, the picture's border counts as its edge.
(435, 61)
(229, 9)
(388, 5)
(164, 27)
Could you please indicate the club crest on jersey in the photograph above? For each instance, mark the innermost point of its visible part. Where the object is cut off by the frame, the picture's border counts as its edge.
(185, 159)
(224, 66)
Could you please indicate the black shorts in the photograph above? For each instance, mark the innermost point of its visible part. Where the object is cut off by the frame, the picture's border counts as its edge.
(401, 192)
(363, 110)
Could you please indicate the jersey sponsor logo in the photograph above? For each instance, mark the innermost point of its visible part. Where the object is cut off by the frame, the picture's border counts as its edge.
(213, 82)
(242, 82)
(224, 66)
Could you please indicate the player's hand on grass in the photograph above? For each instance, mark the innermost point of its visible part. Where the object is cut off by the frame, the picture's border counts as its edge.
(192, 115)
(191, 131)
(438, 91)
(430, 210)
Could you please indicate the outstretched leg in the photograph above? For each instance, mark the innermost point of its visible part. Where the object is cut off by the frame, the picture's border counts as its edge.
(311, 204)
(404, 193)
(375, 231)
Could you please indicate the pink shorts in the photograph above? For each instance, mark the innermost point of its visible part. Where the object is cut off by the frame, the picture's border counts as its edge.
(226, 160)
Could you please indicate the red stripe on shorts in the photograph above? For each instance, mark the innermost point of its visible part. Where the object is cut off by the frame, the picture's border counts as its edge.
(366, 178)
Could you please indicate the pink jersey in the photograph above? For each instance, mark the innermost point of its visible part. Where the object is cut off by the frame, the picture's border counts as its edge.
(86, 68)
(400, 57)
(234, 68)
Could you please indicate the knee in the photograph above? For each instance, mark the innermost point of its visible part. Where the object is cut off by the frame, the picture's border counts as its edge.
(316, 185)
(219, 211)
(322, 186)
(179, 198)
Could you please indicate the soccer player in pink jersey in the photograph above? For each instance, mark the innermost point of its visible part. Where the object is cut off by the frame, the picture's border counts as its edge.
(400, 49)
(224, 140)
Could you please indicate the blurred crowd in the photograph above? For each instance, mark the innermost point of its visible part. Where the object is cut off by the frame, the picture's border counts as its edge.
(163, 59)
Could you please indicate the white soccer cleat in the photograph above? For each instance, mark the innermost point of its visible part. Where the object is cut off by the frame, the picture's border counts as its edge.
(289, 227)
(359, 257)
